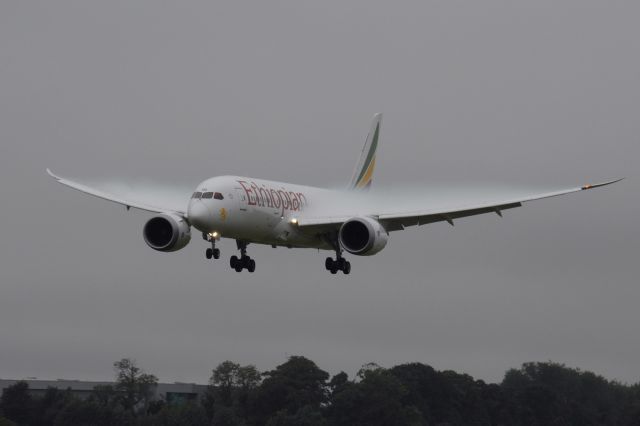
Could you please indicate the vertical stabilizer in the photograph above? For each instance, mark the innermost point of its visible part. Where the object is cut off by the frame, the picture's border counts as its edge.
(363, 173)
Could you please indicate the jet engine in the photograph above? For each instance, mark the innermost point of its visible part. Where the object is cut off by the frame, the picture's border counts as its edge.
(363, 236)
(167, 232)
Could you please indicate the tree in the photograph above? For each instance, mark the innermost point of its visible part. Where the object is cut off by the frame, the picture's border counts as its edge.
(133, 385)
(189, 414)
(229, 391)
(338, 382)
(547, 392)
(16, 403)
(224, 378)
(291, 386)
(226, 416)
(105, 396)
(248, 377)
(306, 416)
(377, 399)
(79, 412)
(47, 407)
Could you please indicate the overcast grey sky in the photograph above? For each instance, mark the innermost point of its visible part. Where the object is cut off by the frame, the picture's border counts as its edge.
(540, 92)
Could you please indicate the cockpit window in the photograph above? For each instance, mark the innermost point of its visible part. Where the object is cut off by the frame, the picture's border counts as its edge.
(207, 195)
(218, 196)
(196, 195)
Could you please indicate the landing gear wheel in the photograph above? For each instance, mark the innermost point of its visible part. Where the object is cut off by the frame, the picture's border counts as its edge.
(339, 264)
(328, 263)
(209, 253)
(216, 253)
(244, 262)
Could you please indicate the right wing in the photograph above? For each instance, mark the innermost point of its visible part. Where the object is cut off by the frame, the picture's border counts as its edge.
(128, 200)
(433, 211)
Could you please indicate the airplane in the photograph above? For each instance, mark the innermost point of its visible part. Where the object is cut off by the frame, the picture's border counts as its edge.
(257, 211)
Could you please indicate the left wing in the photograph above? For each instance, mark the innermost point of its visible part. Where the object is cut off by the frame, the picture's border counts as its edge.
(127, 200)
(397, 220)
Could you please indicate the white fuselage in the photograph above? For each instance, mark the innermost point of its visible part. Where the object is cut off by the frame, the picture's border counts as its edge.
(254, 210)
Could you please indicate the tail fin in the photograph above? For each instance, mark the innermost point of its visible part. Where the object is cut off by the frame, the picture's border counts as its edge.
(363, 173)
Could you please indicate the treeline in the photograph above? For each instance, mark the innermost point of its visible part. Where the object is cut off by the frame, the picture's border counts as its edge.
(301, 394)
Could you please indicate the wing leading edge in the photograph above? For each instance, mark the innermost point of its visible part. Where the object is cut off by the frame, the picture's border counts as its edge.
(128, 203)
(398, 220)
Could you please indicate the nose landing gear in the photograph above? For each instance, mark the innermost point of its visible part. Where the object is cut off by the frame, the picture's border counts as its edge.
(244, 261)
(212, 252)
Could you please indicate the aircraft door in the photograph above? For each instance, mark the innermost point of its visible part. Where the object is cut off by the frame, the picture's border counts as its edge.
(241, 199)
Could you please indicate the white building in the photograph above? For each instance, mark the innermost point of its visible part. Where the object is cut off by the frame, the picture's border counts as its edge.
(170, 392)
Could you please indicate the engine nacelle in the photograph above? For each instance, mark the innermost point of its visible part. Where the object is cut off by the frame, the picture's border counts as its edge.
(167, 232)
(363, 236)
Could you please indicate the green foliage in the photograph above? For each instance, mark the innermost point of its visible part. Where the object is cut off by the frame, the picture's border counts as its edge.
(291, 386)
(133, 385)
(377, 399)
(229, 393)
(87, 413)
(306, 416)
(46, 409)
(551, 393)
(16, 403)
(301, 394)
(190, 414)
(227, 416)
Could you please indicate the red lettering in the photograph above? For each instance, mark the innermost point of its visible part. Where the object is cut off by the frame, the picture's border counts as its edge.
(276, 199)
(303, 199)
(265, 197)
(273, 198)
(248, 191)
(255, 188)
(295, 203)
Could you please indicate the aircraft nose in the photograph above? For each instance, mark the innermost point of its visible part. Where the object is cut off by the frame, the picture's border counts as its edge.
(199, 216)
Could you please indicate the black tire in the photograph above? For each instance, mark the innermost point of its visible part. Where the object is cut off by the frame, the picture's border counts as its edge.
(252, 265)
(208, 253)
(328, 263)
(233, 261)
(216, 253)
(340, 264)
(347, 268)
(238, 267)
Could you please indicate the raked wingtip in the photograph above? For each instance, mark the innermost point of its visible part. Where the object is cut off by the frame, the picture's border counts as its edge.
(597, 185)
(50, 173)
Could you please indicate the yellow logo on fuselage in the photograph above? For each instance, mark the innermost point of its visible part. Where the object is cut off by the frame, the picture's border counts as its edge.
(223, 214)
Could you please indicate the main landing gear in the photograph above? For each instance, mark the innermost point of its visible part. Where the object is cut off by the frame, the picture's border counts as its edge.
(244, 262)
(211, 252)
(339, 264)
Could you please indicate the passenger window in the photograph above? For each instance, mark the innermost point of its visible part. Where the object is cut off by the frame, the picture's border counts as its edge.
(196, 195)
(218, 196)
(207, 195)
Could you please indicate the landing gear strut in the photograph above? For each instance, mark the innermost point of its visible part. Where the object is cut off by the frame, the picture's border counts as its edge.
(213, 251)
(244, 262)
(339, 264)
